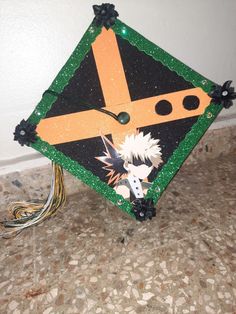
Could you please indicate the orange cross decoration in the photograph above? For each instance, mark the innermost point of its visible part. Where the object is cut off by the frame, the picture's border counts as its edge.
(92, 123)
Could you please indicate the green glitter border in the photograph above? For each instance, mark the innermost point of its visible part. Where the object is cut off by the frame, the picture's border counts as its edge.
(179, 155)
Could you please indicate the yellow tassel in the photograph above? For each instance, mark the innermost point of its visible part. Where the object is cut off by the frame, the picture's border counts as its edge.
(26, 214)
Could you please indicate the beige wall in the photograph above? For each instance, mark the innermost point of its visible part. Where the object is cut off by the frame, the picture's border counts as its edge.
(37, 36)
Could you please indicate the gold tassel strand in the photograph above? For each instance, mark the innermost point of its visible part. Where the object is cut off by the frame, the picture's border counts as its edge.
(27, 214)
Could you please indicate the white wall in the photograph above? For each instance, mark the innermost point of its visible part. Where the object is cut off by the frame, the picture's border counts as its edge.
(37, 36)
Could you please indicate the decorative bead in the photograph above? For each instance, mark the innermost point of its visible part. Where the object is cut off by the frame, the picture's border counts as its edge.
(105, 15)
(223, 95)
(123, 117)
(25, 133)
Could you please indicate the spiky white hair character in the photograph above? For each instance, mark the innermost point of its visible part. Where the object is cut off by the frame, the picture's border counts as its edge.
(135, 146)
(141, 146)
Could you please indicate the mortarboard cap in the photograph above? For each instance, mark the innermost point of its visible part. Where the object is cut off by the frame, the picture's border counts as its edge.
(122, 115)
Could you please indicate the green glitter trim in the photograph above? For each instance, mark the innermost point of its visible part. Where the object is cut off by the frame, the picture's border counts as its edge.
(180, 154)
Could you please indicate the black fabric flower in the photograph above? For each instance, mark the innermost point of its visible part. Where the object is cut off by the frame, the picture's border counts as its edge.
(25, 133)
(143, 209)
(105, 15)
(223, 94)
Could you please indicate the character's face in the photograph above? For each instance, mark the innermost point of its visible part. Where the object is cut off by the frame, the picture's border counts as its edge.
(141, 171)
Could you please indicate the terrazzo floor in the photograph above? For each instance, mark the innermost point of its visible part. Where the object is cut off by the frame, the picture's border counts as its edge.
(92, 258)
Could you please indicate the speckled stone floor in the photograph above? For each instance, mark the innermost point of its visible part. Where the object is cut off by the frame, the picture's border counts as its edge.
(92, 258)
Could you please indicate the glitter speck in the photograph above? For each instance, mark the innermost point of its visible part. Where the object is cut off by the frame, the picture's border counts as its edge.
(124, 30)
(91, 30)
(209, 115)
(158, 189)
(119, 202)
(38, 113)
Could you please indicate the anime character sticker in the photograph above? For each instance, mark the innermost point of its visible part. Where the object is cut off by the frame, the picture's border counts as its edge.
(130, 165)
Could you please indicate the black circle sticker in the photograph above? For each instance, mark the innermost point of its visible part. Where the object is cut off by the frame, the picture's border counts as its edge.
(163, 107)
(191, 102)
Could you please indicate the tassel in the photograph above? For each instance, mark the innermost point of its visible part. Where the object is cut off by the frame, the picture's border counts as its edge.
(27, 214)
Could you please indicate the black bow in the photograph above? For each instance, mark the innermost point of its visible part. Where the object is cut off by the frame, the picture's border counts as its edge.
(25, 133)
(143, 209)
(223, 94)
(105, 15)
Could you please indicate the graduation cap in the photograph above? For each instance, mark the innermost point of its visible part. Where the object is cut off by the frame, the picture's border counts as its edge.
(122, 115)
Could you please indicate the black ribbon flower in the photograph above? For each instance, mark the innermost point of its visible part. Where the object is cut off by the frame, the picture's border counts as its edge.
(223, 94)
(143, 209)
(25, 133)
(105, 15)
